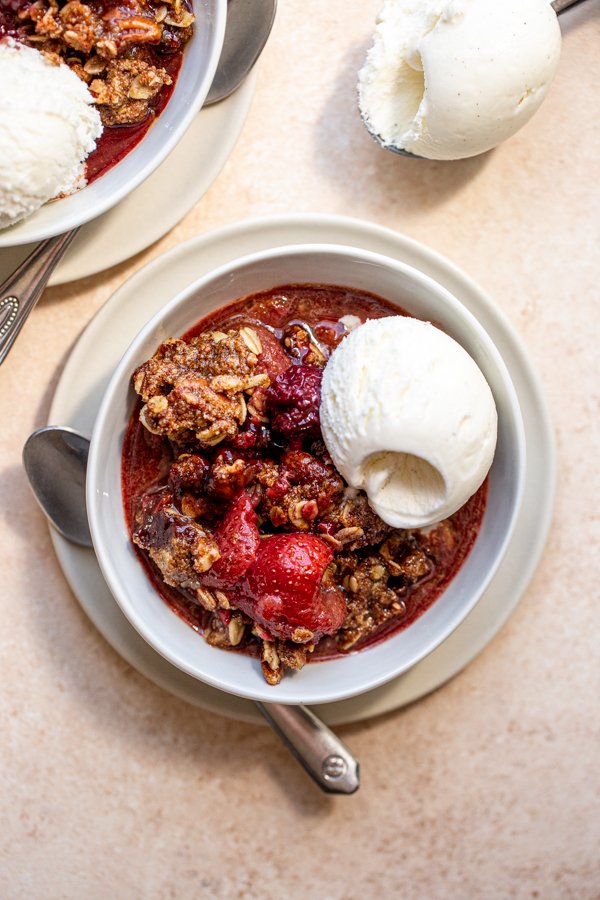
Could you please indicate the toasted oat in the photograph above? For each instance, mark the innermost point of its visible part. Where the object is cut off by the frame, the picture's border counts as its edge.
(330, 539)
(243, 410)
(251, 339)
(236, 629)
(94, 65)
(270, 663)
(206, 598)
(255, 381)
(158, 404)
(302, 635)
(378, 573)
(269, 655)
(256, 414)
(183, 20)
(346, 535)
(228, 384)
(350, 584)
(147, 422)
(211, 436)
(138, 90)
(222, 600)
(216, 634)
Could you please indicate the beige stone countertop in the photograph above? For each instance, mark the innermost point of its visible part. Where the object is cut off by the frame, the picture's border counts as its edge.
(489, 787)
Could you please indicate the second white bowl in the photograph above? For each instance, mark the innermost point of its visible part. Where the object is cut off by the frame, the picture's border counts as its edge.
(200, 59)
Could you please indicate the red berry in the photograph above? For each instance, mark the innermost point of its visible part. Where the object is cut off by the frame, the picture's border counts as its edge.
(273, 359)
(187, 473)
(283, 588)
(294, 398)
(238, 540)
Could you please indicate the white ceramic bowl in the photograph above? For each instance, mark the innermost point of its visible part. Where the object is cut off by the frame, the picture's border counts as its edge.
(200, 59)
(357, 672)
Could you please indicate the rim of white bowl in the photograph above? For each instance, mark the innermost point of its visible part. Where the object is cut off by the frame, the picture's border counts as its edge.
(120, 381)
(190, 103)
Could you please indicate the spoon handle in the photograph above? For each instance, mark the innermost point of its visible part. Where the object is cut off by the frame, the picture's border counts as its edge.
(22, 290)
(324, 756)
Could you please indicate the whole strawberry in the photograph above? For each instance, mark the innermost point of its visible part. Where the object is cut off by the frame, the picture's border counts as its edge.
(283, 589)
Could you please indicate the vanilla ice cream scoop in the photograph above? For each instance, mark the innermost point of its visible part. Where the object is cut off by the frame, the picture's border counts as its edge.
(48, 126)
(448, 79)
(408, 417)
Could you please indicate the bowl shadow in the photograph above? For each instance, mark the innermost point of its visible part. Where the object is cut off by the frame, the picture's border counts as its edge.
(380, 178)
(578, 16)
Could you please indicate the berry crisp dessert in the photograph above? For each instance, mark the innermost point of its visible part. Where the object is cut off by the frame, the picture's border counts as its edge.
(235, 508)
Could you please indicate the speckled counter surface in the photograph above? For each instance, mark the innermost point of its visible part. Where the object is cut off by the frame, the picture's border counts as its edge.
(488, 788)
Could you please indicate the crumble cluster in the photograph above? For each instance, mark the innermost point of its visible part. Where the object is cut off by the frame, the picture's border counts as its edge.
(116, 51)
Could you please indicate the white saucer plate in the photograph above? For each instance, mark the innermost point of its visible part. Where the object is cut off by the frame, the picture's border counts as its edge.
(160, 202)
(97, 352)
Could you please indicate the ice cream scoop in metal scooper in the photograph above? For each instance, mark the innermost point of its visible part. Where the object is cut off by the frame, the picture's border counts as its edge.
(55, 461)
(248, 27)
(447, 122)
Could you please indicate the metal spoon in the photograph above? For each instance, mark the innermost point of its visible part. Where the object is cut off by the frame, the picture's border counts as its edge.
(55, 461)
(557, 5)
(248, 27)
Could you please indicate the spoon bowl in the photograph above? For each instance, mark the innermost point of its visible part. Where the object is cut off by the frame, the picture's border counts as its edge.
(55, 460)
(247, 30)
